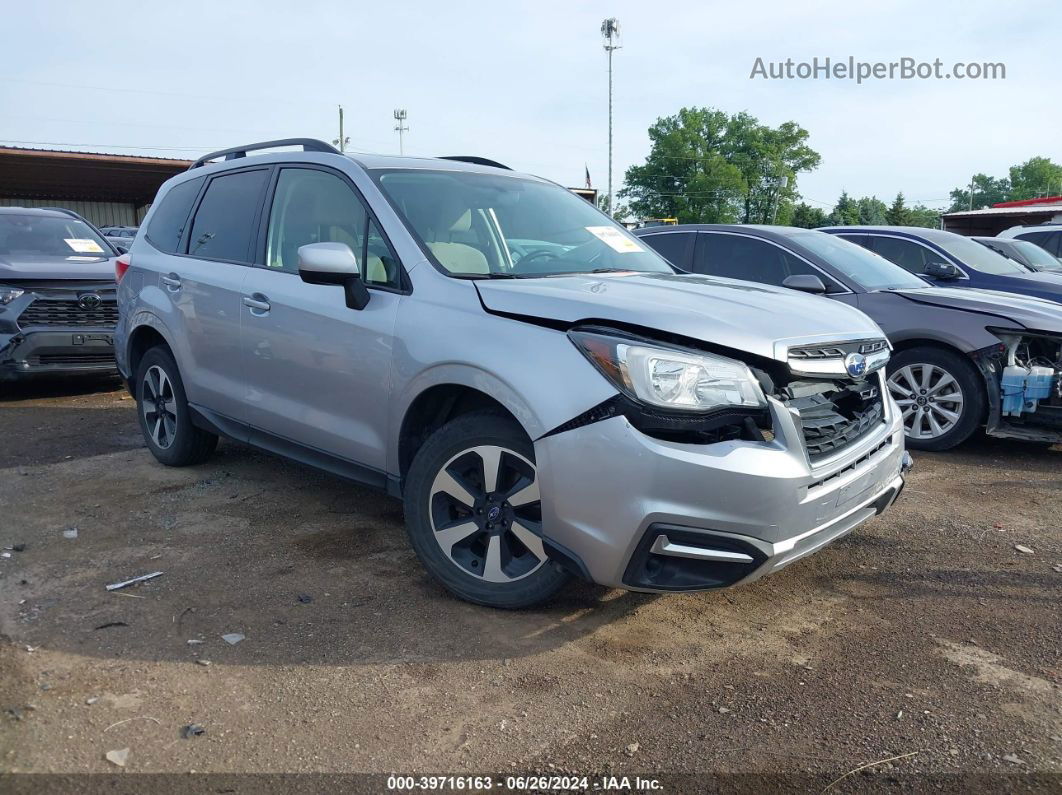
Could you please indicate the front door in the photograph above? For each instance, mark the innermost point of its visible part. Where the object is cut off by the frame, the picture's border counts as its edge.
(317, 372)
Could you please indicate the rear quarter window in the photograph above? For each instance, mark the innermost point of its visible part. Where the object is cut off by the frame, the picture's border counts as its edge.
(168, 221)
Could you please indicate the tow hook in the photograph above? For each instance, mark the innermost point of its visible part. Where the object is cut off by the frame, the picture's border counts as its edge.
(906, 463)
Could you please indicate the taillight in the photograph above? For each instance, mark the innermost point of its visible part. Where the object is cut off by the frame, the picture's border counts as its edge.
(121, 265)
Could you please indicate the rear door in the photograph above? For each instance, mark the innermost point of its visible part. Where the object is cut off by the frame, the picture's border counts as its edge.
(203, 281)
(317, 372)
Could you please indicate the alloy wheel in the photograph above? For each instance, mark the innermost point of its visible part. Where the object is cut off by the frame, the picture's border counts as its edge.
(159, 405)
(929, 397)
(486, 513)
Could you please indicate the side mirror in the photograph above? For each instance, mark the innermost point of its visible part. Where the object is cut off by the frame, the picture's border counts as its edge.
(334, 263)
(942, 270)
(120, 249)
(806, 283)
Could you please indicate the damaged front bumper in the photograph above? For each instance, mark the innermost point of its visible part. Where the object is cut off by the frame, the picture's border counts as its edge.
(1040, 420)
(669, 516)
(56, 352)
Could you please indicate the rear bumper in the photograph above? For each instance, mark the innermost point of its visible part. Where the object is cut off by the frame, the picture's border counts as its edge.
(613, 492)
(57, 352)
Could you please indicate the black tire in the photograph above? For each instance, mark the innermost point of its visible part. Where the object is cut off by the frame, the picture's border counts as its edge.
(971, 389)
(185, 444)
(530, 577)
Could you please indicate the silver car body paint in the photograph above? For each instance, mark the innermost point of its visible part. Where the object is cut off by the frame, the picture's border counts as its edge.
(342, 381)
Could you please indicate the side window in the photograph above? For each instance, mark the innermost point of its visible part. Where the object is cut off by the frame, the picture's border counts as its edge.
(906, 253)
(675, 247)
(859, 240)
(167, 224)
(740, 257)
(313, 206)
(1048, 241)
(224, 223)
(379, 265)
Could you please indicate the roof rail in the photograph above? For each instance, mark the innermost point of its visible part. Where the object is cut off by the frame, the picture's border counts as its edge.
(307, 144)
(479, 161)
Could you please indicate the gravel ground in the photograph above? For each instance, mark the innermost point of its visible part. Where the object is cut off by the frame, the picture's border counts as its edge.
(925, 635)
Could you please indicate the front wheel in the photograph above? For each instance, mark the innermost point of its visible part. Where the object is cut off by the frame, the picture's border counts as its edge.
(939, 393)
(474, 513)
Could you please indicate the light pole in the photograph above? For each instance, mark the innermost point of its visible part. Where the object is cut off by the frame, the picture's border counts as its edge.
(342, 140)
(610, 31)
(400, 117)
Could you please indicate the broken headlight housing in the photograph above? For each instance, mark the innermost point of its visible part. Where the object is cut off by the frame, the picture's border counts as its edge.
(671, 378)
(9, 294)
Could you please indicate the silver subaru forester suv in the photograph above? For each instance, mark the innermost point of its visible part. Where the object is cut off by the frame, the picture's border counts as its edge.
(547, 395)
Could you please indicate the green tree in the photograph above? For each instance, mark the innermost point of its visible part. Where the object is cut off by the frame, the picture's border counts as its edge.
(1037, 176)
(623, 212)
(807, 217)
(845, 212)
(872, 211)
(986, 192)
(706, 166)
(898, 214)
(925, 216)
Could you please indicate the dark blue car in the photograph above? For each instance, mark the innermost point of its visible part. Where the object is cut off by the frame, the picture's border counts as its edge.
(949, 260)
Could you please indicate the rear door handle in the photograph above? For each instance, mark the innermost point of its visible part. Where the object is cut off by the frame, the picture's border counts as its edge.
(257, 303)
(172, 281)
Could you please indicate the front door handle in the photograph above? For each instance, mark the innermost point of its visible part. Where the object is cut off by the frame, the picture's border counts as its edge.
(172, 281)
(257, 303)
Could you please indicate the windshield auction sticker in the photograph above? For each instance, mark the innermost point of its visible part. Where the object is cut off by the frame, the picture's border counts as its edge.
(83, 245)
(614, 239)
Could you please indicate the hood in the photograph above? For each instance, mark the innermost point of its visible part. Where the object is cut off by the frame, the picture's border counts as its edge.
(756, 318)
(1032, 313)
(1046, 279)
(25, 267)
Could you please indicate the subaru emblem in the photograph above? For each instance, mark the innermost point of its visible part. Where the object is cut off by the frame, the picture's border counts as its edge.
(855, 364)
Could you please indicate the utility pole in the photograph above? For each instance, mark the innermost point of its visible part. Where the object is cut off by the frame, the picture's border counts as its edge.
(610, 32)
(400, 117)
(971, 192)
(342, 140)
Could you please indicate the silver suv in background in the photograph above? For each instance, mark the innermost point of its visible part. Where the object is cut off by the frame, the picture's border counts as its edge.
(58, 307)
(543, 391)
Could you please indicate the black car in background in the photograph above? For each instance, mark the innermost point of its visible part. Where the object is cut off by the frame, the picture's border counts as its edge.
(950, 346)
(1023, 252)
(58, 306)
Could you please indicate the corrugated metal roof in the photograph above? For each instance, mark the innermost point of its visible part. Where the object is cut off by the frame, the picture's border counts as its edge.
(1038, 209)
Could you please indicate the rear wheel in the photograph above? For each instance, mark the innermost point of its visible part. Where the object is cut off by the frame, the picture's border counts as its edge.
(474, 514)
(163, 413)
(940, 394)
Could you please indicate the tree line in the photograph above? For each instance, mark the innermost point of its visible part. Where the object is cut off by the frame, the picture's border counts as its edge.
(709, 166)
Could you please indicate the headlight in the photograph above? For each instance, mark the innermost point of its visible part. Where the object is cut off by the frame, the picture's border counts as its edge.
(9, 294)
(671, 378)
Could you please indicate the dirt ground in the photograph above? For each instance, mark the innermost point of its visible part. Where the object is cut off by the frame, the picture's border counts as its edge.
(925, 635)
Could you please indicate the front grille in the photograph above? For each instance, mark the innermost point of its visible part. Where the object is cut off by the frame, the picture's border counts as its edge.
(833, 415)
(70, 359)
(826, 352)
(67, 313)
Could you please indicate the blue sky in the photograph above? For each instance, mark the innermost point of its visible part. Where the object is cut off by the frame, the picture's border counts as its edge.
(525, 83)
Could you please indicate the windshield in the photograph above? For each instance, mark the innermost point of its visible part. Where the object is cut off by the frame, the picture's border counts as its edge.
(867, 269)
(495, 226)
(980, 258)
(48, 236)
(1037, 257)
